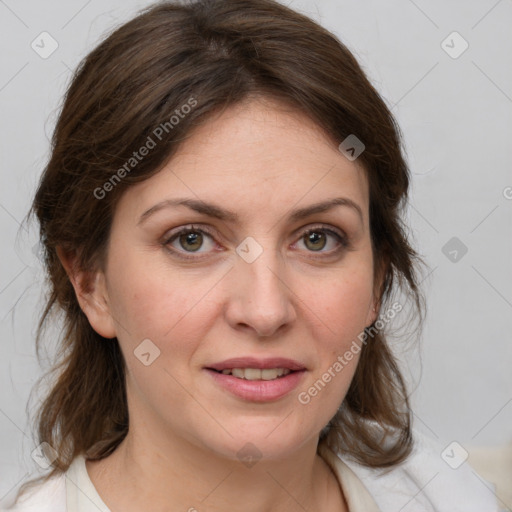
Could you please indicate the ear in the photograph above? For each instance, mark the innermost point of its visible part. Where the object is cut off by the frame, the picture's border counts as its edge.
(91, 293)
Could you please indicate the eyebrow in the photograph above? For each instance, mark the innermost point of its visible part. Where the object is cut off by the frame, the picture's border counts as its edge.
(220, 213)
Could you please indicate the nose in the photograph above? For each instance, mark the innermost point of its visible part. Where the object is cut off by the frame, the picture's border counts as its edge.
(260, 298)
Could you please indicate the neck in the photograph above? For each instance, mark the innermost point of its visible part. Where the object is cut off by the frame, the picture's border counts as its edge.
(173, 474)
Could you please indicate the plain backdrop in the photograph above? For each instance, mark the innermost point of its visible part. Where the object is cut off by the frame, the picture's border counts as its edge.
(452, 96)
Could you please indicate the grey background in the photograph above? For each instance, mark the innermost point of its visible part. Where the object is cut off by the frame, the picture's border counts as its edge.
(456, 116)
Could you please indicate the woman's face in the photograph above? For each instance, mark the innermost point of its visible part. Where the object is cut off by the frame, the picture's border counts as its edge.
(246, 282)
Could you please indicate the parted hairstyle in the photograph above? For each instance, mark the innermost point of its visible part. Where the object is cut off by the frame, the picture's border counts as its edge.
(210, 55)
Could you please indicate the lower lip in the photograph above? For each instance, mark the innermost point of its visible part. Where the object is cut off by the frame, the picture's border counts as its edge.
(258, 390)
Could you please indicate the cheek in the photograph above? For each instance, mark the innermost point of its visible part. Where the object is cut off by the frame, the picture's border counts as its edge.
(150, 301)
(341, 304)
(342, 309)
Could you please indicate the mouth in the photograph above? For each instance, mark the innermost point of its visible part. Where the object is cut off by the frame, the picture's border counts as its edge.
(252, 368)
(257, 380)
(255, 373)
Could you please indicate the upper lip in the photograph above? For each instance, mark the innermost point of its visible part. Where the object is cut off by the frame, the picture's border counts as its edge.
(254, 362)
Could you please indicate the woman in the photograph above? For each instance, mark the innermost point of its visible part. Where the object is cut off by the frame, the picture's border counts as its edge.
(221, 222)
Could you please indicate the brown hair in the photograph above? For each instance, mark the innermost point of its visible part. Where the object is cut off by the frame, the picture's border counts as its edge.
(218, 53)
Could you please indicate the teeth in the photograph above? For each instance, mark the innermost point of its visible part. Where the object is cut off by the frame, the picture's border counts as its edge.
(256, 373)
(238, 372)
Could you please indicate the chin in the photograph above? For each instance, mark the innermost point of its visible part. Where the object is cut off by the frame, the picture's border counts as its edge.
(259, 439)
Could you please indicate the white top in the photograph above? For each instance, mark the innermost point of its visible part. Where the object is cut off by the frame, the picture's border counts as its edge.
(424, 483)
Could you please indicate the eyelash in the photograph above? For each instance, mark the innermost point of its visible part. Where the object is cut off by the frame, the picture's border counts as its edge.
(341, 238)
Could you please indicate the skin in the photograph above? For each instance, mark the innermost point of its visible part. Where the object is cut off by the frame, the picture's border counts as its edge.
(292, 301)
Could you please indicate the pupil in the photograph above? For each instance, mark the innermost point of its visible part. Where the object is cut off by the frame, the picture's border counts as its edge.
(315, 237)
(192, 238)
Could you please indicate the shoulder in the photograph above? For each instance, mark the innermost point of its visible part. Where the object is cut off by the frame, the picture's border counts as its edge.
(432, 479)
(48, 496)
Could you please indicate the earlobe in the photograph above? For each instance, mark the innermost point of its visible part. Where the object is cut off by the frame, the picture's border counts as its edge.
(91, 293)
(95, 305)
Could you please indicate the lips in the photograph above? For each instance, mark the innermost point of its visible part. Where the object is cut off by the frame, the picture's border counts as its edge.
(253, 362)
(257, 379)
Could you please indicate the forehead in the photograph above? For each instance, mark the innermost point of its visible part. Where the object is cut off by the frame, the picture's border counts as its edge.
(258, 156)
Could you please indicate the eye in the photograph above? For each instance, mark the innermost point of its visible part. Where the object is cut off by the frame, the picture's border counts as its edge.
(190, 239)
(316, 239)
